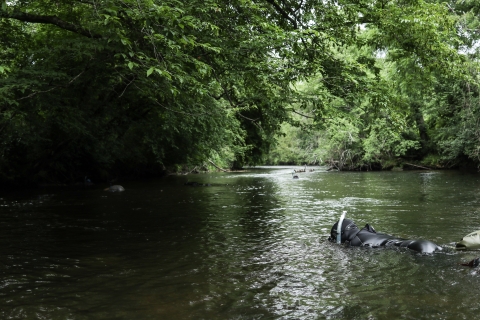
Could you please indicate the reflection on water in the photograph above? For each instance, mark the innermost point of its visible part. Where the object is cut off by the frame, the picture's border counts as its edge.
(252, 245)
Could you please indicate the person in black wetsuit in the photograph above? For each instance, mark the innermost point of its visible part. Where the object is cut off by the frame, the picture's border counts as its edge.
(368, 237)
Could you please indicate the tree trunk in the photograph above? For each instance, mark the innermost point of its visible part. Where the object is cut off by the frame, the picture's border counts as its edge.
(421, 126)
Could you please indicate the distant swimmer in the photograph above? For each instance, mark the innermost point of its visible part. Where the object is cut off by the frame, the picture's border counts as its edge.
(115, 188)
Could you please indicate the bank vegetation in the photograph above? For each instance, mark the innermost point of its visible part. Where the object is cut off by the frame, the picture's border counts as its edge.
(109, 88)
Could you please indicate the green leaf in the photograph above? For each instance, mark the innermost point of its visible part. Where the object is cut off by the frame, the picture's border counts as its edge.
(130, 65)
(149, 71)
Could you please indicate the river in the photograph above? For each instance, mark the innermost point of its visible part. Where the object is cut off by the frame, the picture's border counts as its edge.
(251, 245)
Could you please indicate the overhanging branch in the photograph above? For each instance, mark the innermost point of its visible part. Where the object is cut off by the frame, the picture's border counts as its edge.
(303, 115)
(54, 20)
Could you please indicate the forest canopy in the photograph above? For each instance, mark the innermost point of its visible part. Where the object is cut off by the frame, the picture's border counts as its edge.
(103, 88)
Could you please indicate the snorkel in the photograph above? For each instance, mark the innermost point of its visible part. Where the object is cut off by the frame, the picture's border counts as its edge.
(339, 227)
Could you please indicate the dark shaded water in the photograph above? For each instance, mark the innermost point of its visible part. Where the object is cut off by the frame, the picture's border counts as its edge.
(253, 245)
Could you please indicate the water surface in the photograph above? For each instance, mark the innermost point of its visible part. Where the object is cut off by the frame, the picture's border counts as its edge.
(252, 245)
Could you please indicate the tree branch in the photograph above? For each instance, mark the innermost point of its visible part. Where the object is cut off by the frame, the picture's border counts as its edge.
(303, 115)
(55, 87)
(54, 20)
(283, 13)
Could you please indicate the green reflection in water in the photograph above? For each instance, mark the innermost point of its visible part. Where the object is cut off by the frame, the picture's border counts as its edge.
(251, 245)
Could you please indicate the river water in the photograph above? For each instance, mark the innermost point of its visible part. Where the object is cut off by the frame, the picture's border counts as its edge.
(252, 245)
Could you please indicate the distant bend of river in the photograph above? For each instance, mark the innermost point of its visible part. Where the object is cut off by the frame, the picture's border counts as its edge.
(252, 245)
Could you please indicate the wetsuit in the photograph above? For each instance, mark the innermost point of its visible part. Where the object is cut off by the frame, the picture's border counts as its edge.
(367, 236)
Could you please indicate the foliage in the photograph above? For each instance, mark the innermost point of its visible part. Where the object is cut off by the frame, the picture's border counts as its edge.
(115, 87)
(420, 89)
(98, 87)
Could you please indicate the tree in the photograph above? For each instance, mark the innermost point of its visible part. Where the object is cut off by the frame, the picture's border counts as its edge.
(110, 87)
(385, 98)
